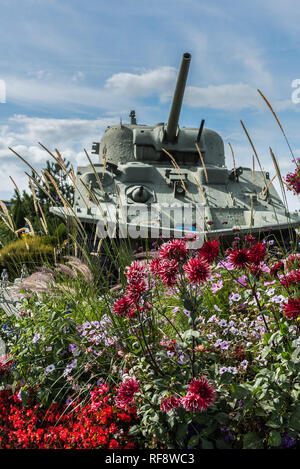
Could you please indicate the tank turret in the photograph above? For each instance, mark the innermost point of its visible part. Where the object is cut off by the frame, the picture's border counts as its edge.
(145, 171)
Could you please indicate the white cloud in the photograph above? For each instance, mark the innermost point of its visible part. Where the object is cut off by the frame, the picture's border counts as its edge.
(229, 97)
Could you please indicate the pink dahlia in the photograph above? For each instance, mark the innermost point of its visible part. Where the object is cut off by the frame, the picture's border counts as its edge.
(292, 308)
(174, 250)
(239, 258)
(210, 250)
(200, 395)
(197, 270)
(126, 392)
(168, 271)
(170, 403)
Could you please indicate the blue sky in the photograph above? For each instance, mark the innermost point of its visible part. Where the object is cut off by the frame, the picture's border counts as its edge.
(71, 68)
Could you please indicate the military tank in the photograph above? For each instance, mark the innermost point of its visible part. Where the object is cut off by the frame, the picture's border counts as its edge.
(170, 180)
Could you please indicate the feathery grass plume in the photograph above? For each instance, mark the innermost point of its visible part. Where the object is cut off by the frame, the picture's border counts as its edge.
(279, 176)
(202, 161)
(16, 187)
(4, 208)
(40, 186)
(94, 171)
(233, 158)
(278, 122)
(66, 270)
(8, 223)
(66, 204)
(252, 145)
(81, 267)
(43, 220)
(34, 197)
(32, 233)
(26, 162)
(267, 187)
(38, 282)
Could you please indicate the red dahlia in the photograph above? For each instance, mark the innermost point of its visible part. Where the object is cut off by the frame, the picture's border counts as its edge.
(136, 272)
(170, 403)
(257, 253)
(126, 392)
(292, 308)
(167, 272)
(200, 395)
(134, 291)
(210, 250)
(239, 258)
(197, 270)
(154, 266)
(174, 250)
(124, 307)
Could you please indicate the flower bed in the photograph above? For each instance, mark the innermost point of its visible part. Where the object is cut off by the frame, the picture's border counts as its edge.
(200, 349)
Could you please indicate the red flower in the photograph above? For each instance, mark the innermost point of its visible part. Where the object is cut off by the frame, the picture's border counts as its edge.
(174, 250)
(126, 392)
(167, 272)
(154, 266)
(114, 444)
(276, 268)
(249, 239)
(200, 395)
(134, 291)
(197, 270)
(170, 403)
(123, 307)
(292, 308)
(257, 253)
(239, 258)
(210, 250)
(256, 271)
(136, 272)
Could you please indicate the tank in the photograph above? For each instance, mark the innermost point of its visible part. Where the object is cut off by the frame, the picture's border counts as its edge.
(170, 180)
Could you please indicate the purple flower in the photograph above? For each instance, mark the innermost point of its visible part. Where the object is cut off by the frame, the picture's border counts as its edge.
(72, 348)
(244, 364)
(224, 345)
(36, 338)
(223, 370)
(49, 369)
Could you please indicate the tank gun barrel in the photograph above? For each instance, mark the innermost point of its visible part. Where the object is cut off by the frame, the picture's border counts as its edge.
(177, 98)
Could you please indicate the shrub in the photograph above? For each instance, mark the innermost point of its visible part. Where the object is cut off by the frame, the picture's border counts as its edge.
(29, 250)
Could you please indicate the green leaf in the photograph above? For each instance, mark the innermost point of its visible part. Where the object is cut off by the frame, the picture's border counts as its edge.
(194, 440)
(274, 438)
(222, 418)
(252, 441)
(207, 444)
(182, 431)
(134, 431)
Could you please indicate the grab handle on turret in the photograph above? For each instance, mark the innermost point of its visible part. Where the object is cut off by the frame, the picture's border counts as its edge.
(177, 98)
